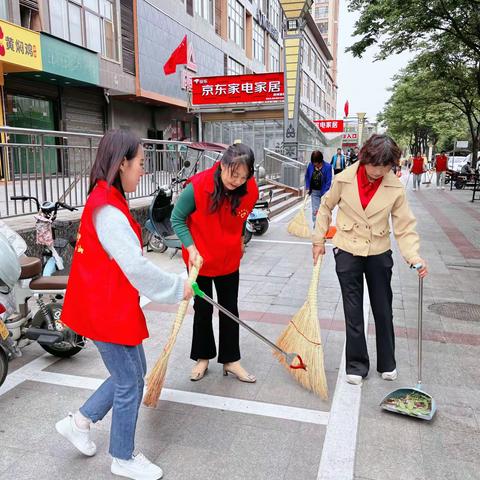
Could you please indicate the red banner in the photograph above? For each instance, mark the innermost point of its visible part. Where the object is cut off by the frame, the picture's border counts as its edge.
(330, 126)
(255, 88)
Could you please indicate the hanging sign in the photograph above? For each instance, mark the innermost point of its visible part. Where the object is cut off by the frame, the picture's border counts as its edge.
(255, 88)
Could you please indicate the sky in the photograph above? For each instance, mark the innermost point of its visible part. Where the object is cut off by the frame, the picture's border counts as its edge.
(361, 81)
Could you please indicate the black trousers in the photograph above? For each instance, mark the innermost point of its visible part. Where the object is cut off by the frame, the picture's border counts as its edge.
(203, 341)
(378, 273)
(336, 171)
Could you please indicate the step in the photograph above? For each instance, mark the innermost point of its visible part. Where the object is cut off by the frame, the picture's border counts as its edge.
(281, 207)
(276, 199)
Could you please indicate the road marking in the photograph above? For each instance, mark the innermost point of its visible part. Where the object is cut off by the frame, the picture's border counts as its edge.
(340, 444)
(229, 404)
(287, 242)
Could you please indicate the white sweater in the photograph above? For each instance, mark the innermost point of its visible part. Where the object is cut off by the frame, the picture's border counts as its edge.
(121, 243)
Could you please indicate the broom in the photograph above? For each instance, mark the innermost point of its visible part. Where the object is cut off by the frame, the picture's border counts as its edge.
(157, 375)
(299, 224)
(302, 335)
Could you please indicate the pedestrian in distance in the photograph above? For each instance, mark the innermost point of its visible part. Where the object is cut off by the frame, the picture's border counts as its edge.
(102, 303)
(354, 156)
(338, 162)
(368, 196)
(318, 179)
(441, 162)
(417, 169)
(210, 218)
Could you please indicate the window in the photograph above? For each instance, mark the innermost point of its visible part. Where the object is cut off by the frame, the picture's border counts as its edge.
(204, 9)
(236, 22)
(323, 27)
(274, 14)
(89, 23)
(321, 11)
(305, 84)
(4, 9)
(234, 67)
(258, 43)
(274, 56)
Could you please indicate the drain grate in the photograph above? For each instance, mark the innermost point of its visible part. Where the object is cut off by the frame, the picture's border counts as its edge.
(458, 310)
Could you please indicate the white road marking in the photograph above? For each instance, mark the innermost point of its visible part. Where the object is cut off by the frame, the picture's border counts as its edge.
(229, 404)
(287, 242)
(340, 444)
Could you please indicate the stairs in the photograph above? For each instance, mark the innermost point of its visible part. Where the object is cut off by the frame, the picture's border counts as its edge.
(283, 197)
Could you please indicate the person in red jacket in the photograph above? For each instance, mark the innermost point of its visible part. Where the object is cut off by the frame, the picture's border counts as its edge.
(209, 218)
(440, 169)
(417, 170)
(102, 303)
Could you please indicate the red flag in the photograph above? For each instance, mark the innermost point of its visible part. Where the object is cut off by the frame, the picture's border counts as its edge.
(345, 109)
(178, 57)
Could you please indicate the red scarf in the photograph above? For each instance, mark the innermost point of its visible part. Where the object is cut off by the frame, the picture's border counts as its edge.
(366, 188)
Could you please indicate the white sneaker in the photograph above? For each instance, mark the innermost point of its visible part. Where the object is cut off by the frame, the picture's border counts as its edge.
(390, 375)
(78, 437)
(414, 189)
(354, 379)
(138, 467)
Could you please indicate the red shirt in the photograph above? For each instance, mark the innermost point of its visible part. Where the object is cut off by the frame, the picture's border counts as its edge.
(217, 235)
(417, 167)
(100, 302)
(441, 163)
(366, 188)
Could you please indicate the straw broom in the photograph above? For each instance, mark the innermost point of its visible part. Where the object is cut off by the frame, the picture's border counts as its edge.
(299, 224)
(157, 375)
(302, 336)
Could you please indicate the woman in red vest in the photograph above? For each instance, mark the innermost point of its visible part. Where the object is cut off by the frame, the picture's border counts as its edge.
(440, 169)
(417, 170)
(209, 218)
(103, 302)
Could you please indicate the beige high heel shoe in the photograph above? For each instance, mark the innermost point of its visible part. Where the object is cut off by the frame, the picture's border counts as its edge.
(199, 372)
(243, 377)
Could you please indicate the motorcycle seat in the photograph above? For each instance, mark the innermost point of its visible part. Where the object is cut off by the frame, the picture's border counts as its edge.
(31, 267)
(56, 282)
(171, 237)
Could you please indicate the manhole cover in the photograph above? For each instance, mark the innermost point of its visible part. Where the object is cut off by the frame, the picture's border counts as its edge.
(458, 310)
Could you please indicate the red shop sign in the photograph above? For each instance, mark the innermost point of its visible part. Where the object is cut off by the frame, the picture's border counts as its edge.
(262, 87)
(330, 126)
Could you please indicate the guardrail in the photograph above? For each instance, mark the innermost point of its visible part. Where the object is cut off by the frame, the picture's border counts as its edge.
(54, 165)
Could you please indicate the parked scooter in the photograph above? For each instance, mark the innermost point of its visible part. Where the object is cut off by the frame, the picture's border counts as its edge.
(45, 222)
(158, 223)
(258, 221)
(20, 280)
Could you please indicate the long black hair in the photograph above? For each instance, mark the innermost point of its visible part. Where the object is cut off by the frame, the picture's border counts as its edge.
(236, 155)
(115, 146)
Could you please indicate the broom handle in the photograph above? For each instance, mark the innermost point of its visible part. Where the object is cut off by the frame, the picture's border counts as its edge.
(315, 276)
(192, 277)
(229, 314)
(420, 326)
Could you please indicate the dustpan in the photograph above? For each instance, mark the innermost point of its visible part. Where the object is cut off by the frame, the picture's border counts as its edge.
(413, 401)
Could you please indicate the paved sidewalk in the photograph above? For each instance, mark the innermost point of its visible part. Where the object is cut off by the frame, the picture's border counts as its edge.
(219, 428)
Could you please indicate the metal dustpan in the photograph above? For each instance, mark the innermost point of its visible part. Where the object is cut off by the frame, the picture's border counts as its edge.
(413, 401)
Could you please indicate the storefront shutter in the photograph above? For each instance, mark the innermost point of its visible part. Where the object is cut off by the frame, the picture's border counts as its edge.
(128, 37)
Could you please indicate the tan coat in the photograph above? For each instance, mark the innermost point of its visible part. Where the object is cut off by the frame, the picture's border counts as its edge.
(367, 232)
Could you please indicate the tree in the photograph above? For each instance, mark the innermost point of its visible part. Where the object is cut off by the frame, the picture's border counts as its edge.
(442, 30)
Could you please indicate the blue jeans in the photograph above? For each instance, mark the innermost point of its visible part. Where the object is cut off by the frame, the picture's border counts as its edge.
(122, 391)
(316, 197)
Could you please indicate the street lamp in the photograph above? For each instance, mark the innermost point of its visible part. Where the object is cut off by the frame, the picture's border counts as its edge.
(295, 11)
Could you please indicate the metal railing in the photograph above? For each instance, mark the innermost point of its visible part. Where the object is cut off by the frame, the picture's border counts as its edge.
(54, 165)
(281, 169)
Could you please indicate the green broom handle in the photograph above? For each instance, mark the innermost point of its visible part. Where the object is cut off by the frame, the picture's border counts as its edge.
(420, 325)
(200, 293)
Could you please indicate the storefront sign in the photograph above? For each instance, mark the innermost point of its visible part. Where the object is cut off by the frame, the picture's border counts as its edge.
(69, 61)
(19, 48)
(330, 126)
(266, 24)
(256, 88)
(350, 136)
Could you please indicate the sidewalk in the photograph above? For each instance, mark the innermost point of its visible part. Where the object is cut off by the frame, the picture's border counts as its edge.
(219, 428)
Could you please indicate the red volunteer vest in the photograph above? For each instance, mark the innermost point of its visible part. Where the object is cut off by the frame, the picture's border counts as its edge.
(101, 303)
(217, 236)
(441, 163)
(417, 167)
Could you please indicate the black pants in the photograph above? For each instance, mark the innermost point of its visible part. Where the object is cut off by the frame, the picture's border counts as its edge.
(337, 170)
(203, 341)
(378, 273)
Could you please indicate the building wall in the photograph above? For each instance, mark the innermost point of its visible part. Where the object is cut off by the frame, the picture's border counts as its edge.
(128, 114)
